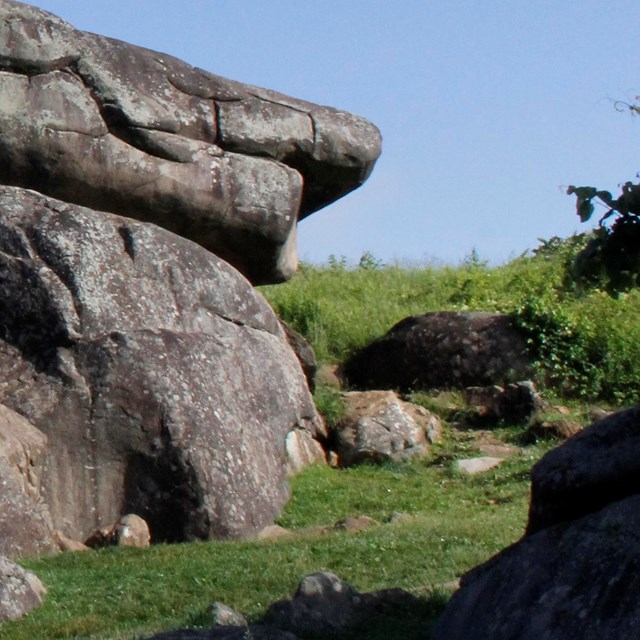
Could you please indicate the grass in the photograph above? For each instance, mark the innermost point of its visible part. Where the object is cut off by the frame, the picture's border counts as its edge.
(460, 521)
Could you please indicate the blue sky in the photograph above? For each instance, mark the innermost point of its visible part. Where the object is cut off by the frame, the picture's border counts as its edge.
(487, 109)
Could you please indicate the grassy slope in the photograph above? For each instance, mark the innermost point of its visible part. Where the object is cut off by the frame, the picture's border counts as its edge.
(460, 521)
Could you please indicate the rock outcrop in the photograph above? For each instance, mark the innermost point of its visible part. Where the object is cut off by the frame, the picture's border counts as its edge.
(162, 380)
(575, 573)
(115, 127)
(442, 350)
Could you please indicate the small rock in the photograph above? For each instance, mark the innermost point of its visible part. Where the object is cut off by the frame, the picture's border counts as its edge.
(328, 375)
(274, 531)
(224, 616)
(473, 466)
(67, 544)
(359, 523)
(129, 531)
(400, 516)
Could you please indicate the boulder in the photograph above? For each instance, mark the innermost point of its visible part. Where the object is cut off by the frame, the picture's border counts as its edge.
(25, 523)
(115, 127)
(129, 531)
(442, 350)
(304, 352)
(20, 590)
(599, 465)
(379, 427)
(325, 604)
(162, 380)
(575, 573)
(578, 579)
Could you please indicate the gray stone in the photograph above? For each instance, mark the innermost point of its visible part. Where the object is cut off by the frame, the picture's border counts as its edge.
(379, 427)
(25, 523)
(474, 466)
(599, 465)
(442, 350)
(162, 380)
(20, 590)
(574, 580)
(119, 128)
(224, 616)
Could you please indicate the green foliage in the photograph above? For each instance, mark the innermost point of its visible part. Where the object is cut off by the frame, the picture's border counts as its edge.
(612, 259)
(330, 404)
(563, 347)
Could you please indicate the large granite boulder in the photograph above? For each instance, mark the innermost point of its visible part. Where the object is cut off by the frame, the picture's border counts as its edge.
(163, 382)
(442, 350)
(576, 572)
(119, 128)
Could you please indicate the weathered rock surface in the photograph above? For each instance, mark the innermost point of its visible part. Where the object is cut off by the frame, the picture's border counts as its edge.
(304, 352)
(576, 572)
(572, 580)
(442, 350)
(379, 427)
(25, 523)
(119, 128)
(596, 467)
(162, 380)
(20, 590)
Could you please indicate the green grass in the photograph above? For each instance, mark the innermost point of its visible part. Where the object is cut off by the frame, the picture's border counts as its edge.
(459, 522)
(587, 343)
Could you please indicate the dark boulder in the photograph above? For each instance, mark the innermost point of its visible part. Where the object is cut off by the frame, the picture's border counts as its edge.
(119, 128)
(162, 380)
(578, 579)
(597, 466)
(442, 350)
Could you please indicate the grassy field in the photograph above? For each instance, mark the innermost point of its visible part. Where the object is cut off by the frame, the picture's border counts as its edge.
(588, 349)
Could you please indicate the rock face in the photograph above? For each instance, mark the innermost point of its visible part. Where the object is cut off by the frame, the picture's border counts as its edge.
(119, 128)
(596, 467)
(514, 403)
(576, 572)
(442, 350)
(20, 590)
(379, 427)
(25, 524)
(162, 380)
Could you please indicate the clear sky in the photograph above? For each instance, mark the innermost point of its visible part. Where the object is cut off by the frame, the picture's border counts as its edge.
(487, 108)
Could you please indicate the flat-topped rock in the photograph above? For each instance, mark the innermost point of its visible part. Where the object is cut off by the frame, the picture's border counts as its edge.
(119, 128)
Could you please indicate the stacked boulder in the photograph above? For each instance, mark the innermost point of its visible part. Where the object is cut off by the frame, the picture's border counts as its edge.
(140, 372)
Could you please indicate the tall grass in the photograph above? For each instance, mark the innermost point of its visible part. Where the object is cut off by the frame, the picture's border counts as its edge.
(586, 343)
